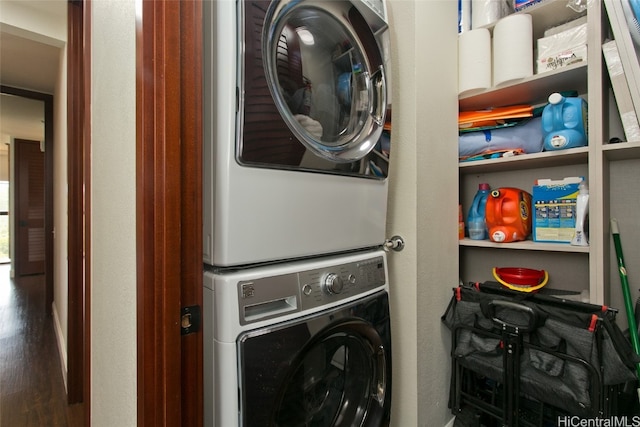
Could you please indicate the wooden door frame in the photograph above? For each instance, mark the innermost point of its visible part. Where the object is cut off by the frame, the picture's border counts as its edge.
(79, 204)
(48, 177)
(169, 210)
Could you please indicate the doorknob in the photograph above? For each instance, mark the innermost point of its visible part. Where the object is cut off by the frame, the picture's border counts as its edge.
(396, 243)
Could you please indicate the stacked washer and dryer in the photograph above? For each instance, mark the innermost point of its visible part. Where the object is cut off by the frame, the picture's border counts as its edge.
(296, 305)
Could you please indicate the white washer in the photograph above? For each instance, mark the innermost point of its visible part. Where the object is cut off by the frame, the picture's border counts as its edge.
(296, 128)
(305, 343)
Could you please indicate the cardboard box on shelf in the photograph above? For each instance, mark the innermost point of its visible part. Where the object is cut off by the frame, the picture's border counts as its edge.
(554, 206)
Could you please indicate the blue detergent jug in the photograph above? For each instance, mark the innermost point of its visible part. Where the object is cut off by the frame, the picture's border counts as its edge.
(476, 223)
(564, 121)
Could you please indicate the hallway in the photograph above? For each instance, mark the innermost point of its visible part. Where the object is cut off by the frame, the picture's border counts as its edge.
(32, 392)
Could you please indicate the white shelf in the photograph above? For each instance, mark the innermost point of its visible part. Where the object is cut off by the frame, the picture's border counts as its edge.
(581, 267)
(547, 14)
(533, 90)
(572, 156)
(527, 245)
(550, 13)
(622, 150)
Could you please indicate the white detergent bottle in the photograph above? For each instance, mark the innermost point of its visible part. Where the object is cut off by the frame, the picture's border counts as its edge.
(582, 208)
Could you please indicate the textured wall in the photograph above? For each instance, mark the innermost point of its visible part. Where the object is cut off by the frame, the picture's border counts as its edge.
(423, 206)
(113, 213)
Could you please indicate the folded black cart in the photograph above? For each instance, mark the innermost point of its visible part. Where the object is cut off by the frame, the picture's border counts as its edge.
(522, 359)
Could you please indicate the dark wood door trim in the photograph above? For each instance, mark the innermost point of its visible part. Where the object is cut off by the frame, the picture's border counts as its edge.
(191, 202)
(169, 204)
(79, 206)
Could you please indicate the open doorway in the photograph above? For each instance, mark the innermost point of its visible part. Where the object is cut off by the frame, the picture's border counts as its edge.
(22, 131)
(28, 116)
(27, 134)
(36, 47)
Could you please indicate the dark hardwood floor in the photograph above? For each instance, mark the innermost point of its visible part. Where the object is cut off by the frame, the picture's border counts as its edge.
(32, 391)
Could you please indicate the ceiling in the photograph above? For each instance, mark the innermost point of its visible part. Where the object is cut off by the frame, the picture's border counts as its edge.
(27, 64)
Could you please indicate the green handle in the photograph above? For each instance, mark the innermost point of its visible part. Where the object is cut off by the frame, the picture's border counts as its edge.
(628, 305)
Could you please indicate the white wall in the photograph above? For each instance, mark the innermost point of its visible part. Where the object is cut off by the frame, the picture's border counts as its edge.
(33, 20)
(423, 206)
(113, 214)
(60, 212)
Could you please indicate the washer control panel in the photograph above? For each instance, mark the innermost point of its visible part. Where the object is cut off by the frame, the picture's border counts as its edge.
(332, 283)
(325, 285)
(279, 295)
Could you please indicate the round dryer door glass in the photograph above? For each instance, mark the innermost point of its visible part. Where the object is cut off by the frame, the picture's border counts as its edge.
(326, 75)
(338, 380)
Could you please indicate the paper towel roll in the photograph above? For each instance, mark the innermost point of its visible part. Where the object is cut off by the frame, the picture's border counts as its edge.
(512, 48)
(485, 12)
(474, 60)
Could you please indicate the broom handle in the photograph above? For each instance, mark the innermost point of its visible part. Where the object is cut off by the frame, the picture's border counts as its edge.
(633, 329)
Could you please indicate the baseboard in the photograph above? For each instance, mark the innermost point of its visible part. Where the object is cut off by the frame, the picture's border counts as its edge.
(62, 345)
(451, 422)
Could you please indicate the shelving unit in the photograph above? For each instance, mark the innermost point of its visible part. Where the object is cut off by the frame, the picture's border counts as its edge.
(581, 269)
(622, 150)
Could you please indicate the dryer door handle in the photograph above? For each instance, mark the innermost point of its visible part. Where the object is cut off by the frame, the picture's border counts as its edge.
(378, 95)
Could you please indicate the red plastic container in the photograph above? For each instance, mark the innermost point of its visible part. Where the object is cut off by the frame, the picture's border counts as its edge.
(521, 279)
(508, 215)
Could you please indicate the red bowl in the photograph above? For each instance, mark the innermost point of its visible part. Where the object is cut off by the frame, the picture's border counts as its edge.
(520, 276)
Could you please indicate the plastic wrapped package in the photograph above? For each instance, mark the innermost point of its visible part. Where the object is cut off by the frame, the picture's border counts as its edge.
(571, 37)
(486, 12)
(526, 136)
(564, 46)
(621, 92)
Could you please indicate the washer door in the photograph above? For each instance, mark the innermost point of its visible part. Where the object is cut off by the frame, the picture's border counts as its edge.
(329, 369)
(339, 379)
(323, 62)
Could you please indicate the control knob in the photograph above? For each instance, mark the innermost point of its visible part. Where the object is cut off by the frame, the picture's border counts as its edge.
(333, 283)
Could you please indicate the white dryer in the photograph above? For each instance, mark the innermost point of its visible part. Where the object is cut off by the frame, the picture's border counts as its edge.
(296, 128)
(304, 343)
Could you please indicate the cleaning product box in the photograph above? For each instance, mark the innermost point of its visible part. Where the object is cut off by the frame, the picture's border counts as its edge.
(554, 206)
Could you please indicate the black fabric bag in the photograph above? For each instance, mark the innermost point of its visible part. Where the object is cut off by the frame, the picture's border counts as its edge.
(570, 353)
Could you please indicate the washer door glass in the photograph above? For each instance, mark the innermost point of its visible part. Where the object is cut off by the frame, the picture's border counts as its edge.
(329, 369)
(339, 379)
(326, 75)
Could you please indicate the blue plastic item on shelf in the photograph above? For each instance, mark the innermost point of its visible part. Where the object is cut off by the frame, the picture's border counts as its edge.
(476, 223)
(526, 136)
(564, 121)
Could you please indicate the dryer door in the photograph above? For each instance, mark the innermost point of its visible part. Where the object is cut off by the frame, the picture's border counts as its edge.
(324, 66)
